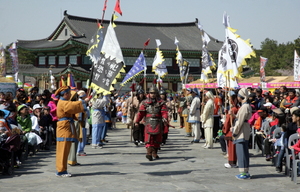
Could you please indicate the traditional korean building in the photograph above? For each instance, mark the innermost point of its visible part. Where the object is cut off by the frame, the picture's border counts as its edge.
(64, 51)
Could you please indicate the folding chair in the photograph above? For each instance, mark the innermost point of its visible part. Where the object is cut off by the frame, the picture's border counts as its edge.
(292, 141)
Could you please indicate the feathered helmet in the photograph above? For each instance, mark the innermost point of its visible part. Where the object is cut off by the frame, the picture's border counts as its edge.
(162, 92)
(153, 89)
(140, 91)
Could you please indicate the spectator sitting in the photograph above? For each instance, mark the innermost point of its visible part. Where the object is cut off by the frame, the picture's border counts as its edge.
(280, 142)
(262, 126)
(291, 100)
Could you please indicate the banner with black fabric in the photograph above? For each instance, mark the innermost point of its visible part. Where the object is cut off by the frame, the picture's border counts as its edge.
(105, 71)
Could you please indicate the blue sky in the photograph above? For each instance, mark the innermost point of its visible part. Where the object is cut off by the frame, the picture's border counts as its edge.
(255, 19)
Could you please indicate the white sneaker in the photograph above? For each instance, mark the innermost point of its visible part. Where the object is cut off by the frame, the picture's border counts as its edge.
(227, 165)
(204, 145)
(64, 175)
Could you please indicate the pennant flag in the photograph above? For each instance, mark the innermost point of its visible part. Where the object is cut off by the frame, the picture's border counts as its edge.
(207, 61)
(110, 64)
(147, 42)
(2, 61)
(138, 67)
(118, 8)
(233, 52)
(182, 63)
(70, 81)
(296, 67)
(263, 62)
(15, 61)
(95, 45)
(158, 65)
(62, 82)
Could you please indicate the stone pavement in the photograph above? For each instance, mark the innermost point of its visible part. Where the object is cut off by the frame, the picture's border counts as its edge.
(120, 166)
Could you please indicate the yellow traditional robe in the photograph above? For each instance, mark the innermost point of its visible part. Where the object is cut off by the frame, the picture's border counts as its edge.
(66, 111)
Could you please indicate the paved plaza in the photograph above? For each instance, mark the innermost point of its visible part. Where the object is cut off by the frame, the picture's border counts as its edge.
(121, 166)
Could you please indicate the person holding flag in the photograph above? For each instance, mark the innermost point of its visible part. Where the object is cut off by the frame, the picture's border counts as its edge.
(65, 128)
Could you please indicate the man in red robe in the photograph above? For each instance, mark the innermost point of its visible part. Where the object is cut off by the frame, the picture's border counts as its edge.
(155, 112)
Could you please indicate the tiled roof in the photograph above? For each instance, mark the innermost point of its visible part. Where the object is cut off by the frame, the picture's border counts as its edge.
(130, 35)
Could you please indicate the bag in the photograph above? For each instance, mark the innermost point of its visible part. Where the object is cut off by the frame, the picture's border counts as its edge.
(180, 109)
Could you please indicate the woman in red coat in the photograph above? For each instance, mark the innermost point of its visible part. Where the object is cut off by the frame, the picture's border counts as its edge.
(232, 159)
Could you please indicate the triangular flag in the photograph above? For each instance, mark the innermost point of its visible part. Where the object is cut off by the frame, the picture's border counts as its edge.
(118, 8)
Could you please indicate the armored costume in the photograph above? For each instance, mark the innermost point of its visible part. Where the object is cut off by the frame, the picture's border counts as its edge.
(156, 113)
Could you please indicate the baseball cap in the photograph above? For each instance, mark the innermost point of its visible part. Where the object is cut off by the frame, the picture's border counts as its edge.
(268, 104)
(37, 106)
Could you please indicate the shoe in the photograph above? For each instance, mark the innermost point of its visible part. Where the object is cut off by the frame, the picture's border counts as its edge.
(195, 141)
(81, 154)
(243, 176)
(63, 175)
(227, 165)
(204, 145)
(76, 164)
(141, 142)
(268, 158)
(223, 153)
(278, 169)
(207, 147)
(100, 147)
(136, 143)
(188, 135)
(149, 157)
(162, 144)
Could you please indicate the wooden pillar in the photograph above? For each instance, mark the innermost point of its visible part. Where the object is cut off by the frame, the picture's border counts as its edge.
(79, 59)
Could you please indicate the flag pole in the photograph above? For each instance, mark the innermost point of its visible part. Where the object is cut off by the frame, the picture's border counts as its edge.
(98, 25)
(145, 79)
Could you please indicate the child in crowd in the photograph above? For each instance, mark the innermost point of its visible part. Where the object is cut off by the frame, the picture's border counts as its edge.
(279, 143)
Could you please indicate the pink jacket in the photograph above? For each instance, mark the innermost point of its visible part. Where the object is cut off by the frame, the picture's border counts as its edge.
(53, 107)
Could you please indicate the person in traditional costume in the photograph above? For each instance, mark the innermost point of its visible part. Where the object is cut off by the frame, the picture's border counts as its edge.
(163, 96)
(185, 112)
(82, 118)
(98, 121)
(230, 117)
(65, 132)
(194, 115)
(155, 112)
(138, 131)
(72, 158)
(241, 133)
(207, 119)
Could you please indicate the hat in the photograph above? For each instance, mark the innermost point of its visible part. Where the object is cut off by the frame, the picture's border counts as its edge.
(21, 107)
(268, 104)
(81, 93)
(37, 106)
(62, 90)
(6, 113)
(243, 93)
(252, 95)
(20, 90)
(293, 109)
(209, 95)
(196, 90)
(53, 97)
(277, 111)
(262, 109)
(153, 89)
(189, 89)
(231, 93)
